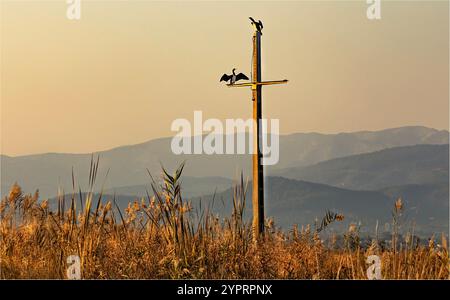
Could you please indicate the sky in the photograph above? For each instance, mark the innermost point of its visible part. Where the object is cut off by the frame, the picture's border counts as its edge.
(122, 73)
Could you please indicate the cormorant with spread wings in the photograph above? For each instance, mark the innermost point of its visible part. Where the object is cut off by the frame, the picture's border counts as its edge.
(233, 77)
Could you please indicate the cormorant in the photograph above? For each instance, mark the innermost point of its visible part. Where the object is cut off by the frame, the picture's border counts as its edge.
(233, 77)
(257, 25)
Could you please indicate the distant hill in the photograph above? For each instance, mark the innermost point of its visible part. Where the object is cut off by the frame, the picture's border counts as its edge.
(301, 149)
(427, 204)
(299, 202)
(128, 164)
(419, 164)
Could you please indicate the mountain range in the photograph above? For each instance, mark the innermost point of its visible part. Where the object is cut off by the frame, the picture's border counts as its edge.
(358, 174)
(419, 164)
(128, 165)
(291, 202)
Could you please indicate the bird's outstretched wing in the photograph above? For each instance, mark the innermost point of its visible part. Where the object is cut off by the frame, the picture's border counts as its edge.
(225, 77)
(241, 76)
(251, 19)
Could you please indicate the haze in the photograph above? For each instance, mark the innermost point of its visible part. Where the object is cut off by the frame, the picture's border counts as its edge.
(127, 69)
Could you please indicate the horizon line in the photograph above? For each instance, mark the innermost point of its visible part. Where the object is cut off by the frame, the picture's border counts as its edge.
(191, 136)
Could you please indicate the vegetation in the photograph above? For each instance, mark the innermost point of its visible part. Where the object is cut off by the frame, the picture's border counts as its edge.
(162, 236)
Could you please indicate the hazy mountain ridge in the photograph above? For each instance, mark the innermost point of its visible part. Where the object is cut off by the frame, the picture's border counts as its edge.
(292, 202)
(363, 187)
(318, 147)
(128, 164)
(419, 164)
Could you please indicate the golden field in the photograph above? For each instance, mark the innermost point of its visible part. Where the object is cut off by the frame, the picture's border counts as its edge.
(163, 237)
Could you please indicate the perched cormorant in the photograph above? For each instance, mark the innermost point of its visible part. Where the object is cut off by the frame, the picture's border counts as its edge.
(257, 25)
(233, 77)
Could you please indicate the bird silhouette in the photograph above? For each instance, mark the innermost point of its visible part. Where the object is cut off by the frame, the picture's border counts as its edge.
(257, 25)
(233, 77)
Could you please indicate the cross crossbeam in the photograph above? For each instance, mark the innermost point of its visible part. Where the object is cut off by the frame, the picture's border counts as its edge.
(253, 85)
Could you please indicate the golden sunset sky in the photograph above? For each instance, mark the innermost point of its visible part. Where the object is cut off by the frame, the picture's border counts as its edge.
(127, 69)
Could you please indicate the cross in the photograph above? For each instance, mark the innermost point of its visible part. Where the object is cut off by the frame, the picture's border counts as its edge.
(258, 170)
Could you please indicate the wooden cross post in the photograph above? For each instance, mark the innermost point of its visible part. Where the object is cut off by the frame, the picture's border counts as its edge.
(258, 170)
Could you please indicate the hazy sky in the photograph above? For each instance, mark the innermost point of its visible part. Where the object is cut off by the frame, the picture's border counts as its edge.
(127, 69)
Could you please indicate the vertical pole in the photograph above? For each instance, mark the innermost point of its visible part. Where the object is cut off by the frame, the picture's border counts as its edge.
(258, 172)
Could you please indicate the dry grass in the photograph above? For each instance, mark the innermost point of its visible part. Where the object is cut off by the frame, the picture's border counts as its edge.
(162, 237)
